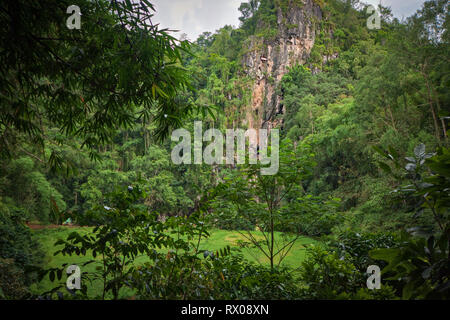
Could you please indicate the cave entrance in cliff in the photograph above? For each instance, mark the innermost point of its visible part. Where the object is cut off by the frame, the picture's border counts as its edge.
(280, 110)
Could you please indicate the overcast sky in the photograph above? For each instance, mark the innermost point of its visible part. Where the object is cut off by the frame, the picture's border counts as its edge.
(194, 17)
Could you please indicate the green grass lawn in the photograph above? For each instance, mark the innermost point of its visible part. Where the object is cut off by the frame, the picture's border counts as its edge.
(218, 239)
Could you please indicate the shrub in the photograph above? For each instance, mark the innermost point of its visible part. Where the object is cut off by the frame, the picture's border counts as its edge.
(356, 247)
(16, 243)
(215, 276)
(12, 284)
(327, 275)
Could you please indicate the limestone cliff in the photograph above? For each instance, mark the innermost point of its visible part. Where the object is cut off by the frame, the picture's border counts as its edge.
(267, 61)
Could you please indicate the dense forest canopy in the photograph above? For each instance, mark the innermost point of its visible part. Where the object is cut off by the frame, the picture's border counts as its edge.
(85, 126)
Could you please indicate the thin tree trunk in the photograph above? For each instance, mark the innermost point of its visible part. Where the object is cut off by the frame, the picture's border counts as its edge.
(444, 128)
(430, 102)
(392, 118)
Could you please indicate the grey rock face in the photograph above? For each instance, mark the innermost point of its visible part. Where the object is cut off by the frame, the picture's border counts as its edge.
(268, 61)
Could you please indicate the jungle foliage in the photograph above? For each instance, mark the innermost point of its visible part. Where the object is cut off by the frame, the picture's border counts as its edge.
(364, 160)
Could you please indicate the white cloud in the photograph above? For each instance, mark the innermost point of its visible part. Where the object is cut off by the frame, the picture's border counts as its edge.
(194, 17)
(400, 8)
